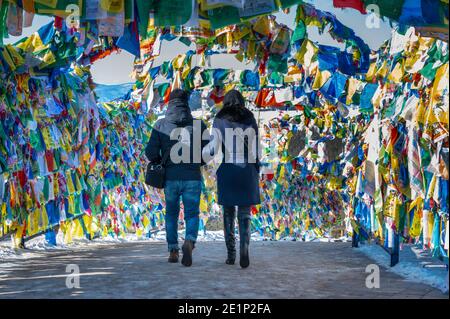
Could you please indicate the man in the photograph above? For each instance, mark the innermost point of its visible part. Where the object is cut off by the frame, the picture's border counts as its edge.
(183, 177)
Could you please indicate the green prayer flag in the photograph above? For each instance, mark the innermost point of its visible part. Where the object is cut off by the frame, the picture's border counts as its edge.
(165, 67)
(129, 10)
(163, 88)
(277, 63)
(299, 32)
(143, 7)
(46, 7)
(207, 78)
(57, 156)
(35, 140)
(77, 201)
(173, 12)
(223, 16)
(308, 112)
(185, 41)
(3, 16)
(289, 3)
(46, 189)
(276, 78)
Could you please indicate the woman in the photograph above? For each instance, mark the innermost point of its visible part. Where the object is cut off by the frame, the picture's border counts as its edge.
(235, 133)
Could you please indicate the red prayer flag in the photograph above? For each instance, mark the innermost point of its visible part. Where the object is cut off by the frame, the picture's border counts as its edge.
(355, 4)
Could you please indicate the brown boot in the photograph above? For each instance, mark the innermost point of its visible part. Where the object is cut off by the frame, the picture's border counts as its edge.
(173, 257)
(187, 248)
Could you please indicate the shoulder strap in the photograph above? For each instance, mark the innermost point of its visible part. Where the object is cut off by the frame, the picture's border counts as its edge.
(165, 158)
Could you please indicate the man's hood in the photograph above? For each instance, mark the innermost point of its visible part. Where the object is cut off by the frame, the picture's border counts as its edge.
(178, 112)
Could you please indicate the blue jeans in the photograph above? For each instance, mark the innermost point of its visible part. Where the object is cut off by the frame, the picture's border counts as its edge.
(189, 192)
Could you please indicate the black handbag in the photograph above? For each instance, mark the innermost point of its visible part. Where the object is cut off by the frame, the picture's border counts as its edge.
(156, 173)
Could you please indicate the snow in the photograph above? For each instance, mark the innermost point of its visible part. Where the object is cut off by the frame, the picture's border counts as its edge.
(40, 244)
(411, 265)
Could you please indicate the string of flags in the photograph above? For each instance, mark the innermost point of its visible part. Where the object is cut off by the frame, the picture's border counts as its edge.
(125, 18)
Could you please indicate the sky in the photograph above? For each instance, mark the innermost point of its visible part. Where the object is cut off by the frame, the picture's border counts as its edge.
(117, 68)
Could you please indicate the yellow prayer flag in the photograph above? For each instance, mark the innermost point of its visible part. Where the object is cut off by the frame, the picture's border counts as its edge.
(397, 73)
(48, 59)
(353, 85)
(262, 25)
(439, 85)
(321, 78)
(382, 71)
(307, 53)
(48, 3)
(371, 72)
(112, 6)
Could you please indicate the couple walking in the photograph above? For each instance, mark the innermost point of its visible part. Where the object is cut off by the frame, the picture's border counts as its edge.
(237, 175)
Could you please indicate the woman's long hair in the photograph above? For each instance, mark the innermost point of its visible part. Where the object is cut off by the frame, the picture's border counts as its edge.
(234, 108)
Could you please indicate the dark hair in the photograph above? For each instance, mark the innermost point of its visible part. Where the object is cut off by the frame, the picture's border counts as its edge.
(234, 108)
(234, 98)
(178, 94)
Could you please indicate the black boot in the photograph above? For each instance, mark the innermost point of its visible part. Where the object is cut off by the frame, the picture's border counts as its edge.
(244, 233)
(229, 218)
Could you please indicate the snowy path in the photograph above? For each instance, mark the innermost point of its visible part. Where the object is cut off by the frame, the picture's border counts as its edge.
(140, 270)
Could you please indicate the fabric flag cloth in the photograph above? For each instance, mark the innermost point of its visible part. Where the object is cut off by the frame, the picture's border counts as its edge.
(335, 86)
(328, 58)
(299, 32)
(289, 3)
(346, 64)
(266, 98)
(15, 20)
(321, 78)
(223, 16)
(421, 13)
(173, 12)
(353, 86)
(251, 79)
(143, 11)
(414, 164)
(129, 41)
(113, 25)
(46, 33)
(212, 4)
(254, 8)
(355, 4)
(307, 52)
(388, 8)
(28, 19)
(283, 95)
(365, 103)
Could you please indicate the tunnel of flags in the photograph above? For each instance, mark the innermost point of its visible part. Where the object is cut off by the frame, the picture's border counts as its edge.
(362, 147)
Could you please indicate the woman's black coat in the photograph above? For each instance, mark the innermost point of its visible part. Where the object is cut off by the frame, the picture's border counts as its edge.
(238, 179)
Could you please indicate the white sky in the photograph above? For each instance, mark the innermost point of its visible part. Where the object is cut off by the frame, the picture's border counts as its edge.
(116, 68)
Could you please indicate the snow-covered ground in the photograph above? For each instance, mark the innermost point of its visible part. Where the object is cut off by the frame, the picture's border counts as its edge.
(411, 265)
(40, 244)
(412, 258)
